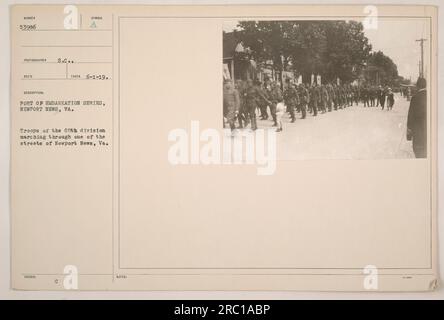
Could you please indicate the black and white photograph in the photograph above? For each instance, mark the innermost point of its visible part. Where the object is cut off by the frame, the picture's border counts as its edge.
(332, 89)
(304, 167)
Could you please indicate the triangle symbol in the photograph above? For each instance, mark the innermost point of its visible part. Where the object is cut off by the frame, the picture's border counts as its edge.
(93, 25)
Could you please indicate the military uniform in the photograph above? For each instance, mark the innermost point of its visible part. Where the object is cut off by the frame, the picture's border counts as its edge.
(241, 117)
(304, 99)
(356, 91)
(252, 96)
(349, 95)
(340, 97)
(324, 98)
(331, 98)
(315, 98)
(274, 94)
(336, 98)
(345, 92)
(365, 95)
(382, 93)
(345, 96)
(263, 102)
(291, 99)
(373, 96)
(231, 105)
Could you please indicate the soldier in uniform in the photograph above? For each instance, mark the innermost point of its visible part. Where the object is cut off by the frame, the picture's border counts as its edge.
(356, 94)
(252, 96)
(350, 95)
(335, 96)
(241, 117)
(331, 98)
(291, 99)
(324, 98)
(341, 94)
(370, 96)
(231, 103)
(304, 99)
(364, 93)
(378, 95)
(381, 97)
(373, 96)
(310, 105)
(263, 103)
(346, 95)
(314, 99)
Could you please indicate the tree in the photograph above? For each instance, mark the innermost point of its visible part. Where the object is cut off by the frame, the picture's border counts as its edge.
(307, 45)
(381, 69)
(267, 41)
(329, 48)
(347, 50)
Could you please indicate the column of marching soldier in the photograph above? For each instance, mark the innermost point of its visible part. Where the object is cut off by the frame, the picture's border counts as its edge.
(242, 99)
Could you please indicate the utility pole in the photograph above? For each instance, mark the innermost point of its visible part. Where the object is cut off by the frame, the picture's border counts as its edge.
(421, 68)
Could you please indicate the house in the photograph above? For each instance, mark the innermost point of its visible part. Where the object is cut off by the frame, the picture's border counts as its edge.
(237, 63)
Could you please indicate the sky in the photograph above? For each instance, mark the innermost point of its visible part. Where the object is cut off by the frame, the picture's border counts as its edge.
(397, 39)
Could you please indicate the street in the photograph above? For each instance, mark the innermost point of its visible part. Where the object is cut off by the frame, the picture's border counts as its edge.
(352, 133)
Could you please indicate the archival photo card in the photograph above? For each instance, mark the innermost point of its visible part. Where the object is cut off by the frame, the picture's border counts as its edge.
(224, 148)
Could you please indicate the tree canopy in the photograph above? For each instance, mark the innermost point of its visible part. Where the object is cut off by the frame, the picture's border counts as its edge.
(381, 69)
(333, 49)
